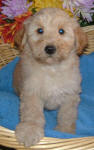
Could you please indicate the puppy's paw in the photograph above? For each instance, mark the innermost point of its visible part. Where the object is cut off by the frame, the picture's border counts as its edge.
(29, 134)
(66, 129)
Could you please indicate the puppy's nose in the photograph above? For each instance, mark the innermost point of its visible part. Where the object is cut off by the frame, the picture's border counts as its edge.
(50, 49)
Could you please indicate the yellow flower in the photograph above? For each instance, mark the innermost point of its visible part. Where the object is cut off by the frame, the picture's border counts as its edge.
(39, 4)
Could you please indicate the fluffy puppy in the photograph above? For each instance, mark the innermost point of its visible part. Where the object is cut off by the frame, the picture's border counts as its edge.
(47, 75)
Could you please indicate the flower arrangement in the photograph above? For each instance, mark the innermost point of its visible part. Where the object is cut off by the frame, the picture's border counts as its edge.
(14, 12)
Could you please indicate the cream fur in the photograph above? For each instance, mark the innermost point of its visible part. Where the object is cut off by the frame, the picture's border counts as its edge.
(48, 82)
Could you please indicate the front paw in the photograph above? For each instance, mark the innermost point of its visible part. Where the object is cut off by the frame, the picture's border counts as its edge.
(66, 129)
(29, 134)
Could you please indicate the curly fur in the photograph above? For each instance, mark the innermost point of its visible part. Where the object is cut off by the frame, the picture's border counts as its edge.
(48, 82)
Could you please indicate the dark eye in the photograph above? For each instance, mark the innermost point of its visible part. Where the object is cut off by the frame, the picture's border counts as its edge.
(40, 30)
(61, 31)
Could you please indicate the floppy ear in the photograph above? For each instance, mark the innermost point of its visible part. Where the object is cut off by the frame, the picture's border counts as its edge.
(81, 40)
(21, 37)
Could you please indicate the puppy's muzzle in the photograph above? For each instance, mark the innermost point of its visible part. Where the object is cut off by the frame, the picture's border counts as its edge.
(50, 49)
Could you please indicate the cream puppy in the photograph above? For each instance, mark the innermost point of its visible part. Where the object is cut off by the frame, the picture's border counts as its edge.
(47, 75)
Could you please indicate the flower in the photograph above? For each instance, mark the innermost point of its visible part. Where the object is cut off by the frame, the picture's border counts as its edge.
(13, 8)
(83, 7)
(39, 4)
(85, 12)
(68, 4)
(8, 30)
(2, 19)
(0, 5)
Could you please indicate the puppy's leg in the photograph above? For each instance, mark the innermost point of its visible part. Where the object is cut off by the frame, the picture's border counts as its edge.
(31, 128)
(67, 114)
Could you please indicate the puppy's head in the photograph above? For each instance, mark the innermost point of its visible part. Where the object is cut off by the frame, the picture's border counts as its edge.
(52, 36)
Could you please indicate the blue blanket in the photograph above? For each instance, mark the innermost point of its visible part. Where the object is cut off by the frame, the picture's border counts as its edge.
(9, 102)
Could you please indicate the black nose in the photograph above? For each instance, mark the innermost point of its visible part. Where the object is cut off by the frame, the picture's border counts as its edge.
(50, 49)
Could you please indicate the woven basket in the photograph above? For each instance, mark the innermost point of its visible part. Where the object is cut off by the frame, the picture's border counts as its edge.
(7, 137)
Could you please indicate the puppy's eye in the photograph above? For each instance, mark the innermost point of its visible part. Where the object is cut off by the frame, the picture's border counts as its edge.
(40, 31)
(61, 31)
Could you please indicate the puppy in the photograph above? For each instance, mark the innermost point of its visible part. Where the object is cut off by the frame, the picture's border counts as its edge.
(47, 75)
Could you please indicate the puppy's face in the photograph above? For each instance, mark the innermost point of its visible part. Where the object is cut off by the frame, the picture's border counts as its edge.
(52, 35)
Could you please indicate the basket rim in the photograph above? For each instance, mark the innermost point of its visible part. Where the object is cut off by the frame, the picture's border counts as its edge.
(88, 28)
(8, 138)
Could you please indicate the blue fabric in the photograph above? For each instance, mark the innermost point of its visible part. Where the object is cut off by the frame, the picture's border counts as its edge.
(9, 102)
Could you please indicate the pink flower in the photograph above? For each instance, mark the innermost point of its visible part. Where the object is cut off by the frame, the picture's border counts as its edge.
(81, 6)
(14, 8)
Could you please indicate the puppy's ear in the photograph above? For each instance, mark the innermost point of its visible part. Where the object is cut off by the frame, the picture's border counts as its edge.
(21, 37)
(81, 40)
